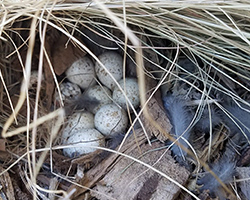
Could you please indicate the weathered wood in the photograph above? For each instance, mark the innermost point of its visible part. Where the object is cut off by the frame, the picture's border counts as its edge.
(6, 187)
(98, 171)
(131, 180)
(157, 112)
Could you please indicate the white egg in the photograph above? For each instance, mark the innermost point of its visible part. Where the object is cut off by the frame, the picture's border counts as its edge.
(69, 92)
(100, 93)
(114, 64)
(81, 140)
(111, 119)
(131, 90)
(78, 121)
(82, 73)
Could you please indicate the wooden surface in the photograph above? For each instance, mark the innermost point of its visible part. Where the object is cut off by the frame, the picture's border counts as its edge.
(131, 180)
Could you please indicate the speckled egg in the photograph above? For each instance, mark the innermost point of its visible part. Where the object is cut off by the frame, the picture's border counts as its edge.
(69, 92)
(82, 73)
(111, 119)
(132, 93)
(81, 140)
(114, 64)
(78, 121)
(100, 93)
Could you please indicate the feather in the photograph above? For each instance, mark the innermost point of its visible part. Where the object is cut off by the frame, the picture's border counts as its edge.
(114, 140)
(224, 170)
(204, 122)
(240, 119)
(82, 103)
(180, 118)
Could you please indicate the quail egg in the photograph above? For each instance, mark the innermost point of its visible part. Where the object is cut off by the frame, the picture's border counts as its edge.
(132, 93)
(78, 121)
(81, 140)
(82, 73)
(111, 119)
(114, 64)
(102, 94)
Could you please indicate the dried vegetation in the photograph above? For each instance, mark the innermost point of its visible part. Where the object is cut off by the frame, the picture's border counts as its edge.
(156, 39)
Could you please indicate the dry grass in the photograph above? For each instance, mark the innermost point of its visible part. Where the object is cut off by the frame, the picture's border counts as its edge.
(156, 32)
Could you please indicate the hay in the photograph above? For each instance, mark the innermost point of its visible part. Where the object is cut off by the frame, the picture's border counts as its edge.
(154, 35)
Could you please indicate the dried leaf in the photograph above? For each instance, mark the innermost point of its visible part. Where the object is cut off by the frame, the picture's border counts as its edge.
(61, 54)
(64, 54)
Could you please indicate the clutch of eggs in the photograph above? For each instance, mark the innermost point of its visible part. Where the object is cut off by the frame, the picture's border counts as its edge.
(85, 130)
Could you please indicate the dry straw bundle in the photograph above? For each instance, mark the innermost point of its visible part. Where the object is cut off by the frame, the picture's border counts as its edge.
(192, 54)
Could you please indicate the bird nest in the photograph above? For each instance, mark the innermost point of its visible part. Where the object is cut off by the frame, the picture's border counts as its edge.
(188, 138)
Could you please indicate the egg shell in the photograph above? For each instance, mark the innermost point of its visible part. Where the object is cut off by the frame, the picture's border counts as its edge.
(111, 119)
(100, 93)
(114, 64)
(132, 93)
(81, 140)
(69, 92)
(77, 122)
(82, 73)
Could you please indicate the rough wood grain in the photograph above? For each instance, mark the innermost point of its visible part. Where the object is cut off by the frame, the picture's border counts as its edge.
(131, 180)
(157, 113)
(97, 172)
(6, 186)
